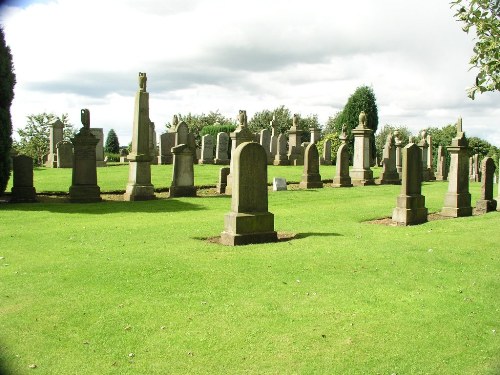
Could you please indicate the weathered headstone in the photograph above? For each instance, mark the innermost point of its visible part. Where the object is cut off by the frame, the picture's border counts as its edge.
(281, 157)
(424, 146)
(442, 166)
(64, 154)
(181, 134)
(221, 149)
(475, 175)
(182, 173)
(389, 175)
(410, 204)
(295, 150)
(265, 141)
(139, 185)
(457, 201)
(326, 159)
(311, 179)
(99, 150)
(273, 147)
(167, 141)
(399, 156)
(361, 173)
(207, 150)
(279, 184)
(222, 184)
(55, 136)
(249, 220)
(342, 178)
(84, 188)
(153, 150)
(22, 186)
(486, 203)
(430, 159)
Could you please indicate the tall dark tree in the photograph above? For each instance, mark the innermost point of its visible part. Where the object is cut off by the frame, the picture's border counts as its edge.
(112, 145)
(7, 83)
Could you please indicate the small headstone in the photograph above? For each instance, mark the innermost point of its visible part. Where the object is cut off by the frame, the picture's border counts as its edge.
(167, 141)
(281, 157)
(181, 134)
(207, 150)
(486, 203)
(222, 147)
(311, 179)
(342, 177)
(22, 186)
(222, 184)
(326, 159)
(279, 184)
(64, 154)
(183, 173)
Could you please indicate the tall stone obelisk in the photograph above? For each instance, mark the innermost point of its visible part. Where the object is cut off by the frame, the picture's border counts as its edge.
(139, 187)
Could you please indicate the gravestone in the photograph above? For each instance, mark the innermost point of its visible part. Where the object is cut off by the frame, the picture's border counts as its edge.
(64, 154)
(430, 159)
(475, 174)
(424, 146)
(55, 136)
(153, 151)
(265, 141)
(182, 173)
(326, 159)
(99, 150)
(207, 150)
(181, 134)
(167, 141)
(139, 185)
(123, 155)
(311, 179)
(410, 204)
(442, 167)
(22, 190)
(399, 156)
(249, 220)
(84, 188)
(192, 146)
(222, 184)
(389, 175)
(342, 177)
(295, 150)
(273, 147)
(457, 201)
(361, 173)
(279, 184)
(486, 203)
(221, 149)
(281, 157)
(315, 134)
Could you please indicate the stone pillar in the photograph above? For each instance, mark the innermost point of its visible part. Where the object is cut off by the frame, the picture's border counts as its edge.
(311, 179)
(361, 173)
(207, 150)
(424, 146)
(139, 185)
(221, 157)
(281, 157)
(84, 188)
(295, 155)
(22, 175)
(457, 201)
(389, 173)
(182, 173)
(249, 220)
(486, 203)
(442, 167)
(326, 158)
(410, 205)
(398, 144)
(315, 134)
(56, 135)
(430, 159)
(342, 178)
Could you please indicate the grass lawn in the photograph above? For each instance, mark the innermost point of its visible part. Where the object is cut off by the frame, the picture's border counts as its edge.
(133, 287)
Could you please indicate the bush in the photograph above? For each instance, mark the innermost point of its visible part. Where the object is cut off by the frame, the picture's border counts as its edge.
(213, 130)
(112, 156)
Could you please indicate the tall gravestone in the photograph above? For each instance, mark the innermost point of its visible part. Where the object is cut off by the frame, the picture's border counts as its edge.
(249, 220)
(273, 146)
(64, 154)
(398, 144)
(361, 173)
(311, 178)
(389, 175)
(265, 141)
(342, 177)
(84, 188)
(182, 173)
(430, 159)
(326, 158)
(221, 149)
(22, 190)
(442, 166)
(139, 185)
(99, 149)
(410, 204)
(281, 157)
(295, 150)
(207, 150)
(457, 201)
(56, 134)
(486, 203)
(239, 136)
(424, 146)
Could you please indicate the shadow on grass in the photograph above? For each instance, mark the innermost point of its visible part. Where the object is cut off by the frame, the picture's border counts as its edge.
(316, 234)
(58, 205)
(282, 237)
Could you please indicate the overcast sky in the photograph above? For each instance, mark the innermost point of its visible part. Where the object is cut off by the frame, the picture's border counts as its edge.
(226, 55)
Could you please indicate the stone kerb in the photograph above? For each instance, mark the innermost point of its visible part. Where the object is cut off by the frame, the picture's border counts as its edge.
(22, 190)
(249, 220)
(486, 203)
(311, 178)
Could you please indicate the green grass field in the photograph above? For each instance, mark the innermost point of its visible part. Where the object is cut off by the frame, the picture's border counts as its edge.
(134, 287)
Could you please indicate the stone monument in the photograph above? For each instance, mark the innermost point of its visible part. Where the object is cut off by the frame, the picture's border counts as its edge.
(22, 190)
(153, 150)
(295, 150)
(475, 174)
(221, 148)
(265, 141)
(430, 159)
(315, 134)
(311, 179)
(342, 178)
(123, 155)
(207, 150)
(486, 203)
(182, 173)
(273, 146)
(55, 136)
(326, 159)
(361, 173)
(64, 154)
(281, 157)
(99, 150)
(442, 166)
(424, 146)
(399, 156)
(389, 175)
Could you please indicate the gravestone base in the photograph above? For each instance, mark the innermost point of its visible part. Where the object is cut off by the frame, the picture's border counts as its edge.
(457, 205)
(362, 177)
(221, 161)
(23, 194)
(206, 161)
(410, 210)
(311, 182)
(84, 194)
(139, 187)
(485, 205)
(390, 179)
(138, 192)
(101, 163)
(342, 182)
(221, 188)
(246, 228)
(182, 191)
(294, 160)
(281, 161)
(323, 161)
(440, 177)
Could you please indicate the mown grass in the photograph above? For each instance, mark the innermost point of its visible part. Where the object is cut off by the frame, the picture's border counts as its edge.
(82, 286)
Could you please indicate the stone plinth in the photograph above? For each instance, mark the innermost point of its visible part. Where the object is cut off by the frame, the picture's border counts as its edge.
(22, 190)
(182, 173)
(486, 203)
(361, 173)
(249, 220)
(311, 179)
(410, 205)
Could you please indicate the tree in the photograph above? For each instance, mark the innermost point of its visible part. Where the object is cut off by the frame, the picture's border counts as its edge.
(34, 137)
(7, 83)
(381, 137)
(112, 145)
(482, 16)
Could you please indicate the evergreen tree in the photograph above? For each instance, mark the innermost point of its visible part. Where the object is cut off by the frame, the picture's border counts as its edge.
(112, 145)
(7, 82)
